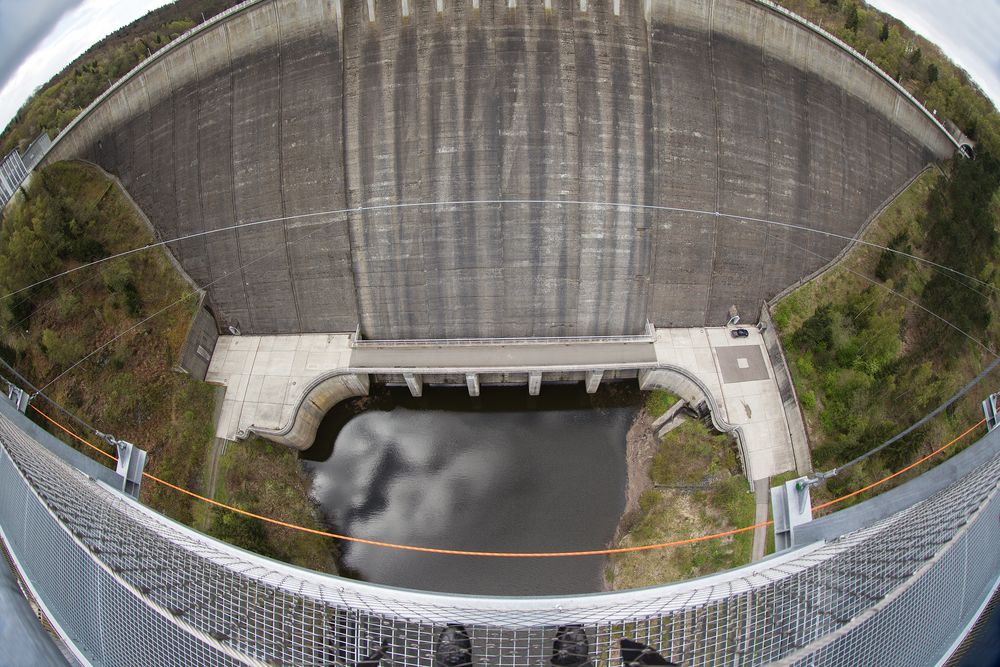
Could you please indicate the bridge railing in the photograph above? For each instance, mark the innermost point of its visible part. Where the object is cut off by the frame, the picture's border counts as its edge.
(644, 338)
(126, 585)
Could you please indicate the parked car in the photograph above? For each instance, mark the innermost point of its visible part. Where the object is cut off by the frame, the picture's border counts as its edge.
(739, 333)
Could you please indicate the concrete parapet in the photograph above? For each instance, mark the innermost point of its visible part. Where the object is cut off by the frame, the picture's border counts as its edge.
(789, 397)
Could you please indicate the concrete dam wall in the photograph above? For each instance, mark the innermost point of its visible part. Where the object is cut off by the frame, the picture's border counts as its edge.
(328, 115)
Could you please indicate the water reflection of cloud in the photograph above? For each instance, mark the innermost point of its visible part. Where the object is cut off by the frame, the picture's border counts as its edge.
(420, 478)
(486, 481)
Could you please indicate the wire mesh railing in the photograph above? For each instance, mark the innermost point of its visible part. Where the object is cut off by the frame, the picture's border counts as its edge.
(127, 585)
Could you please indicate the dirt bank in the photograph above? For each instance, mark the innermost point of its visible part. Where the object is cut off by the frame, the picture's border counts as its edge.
(640, 448)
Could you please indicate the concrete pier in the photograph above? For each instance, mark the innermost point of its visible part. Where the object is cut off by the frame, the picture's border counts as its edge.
(534, 383)
(472, 382)
(415, 383)
(593, 381)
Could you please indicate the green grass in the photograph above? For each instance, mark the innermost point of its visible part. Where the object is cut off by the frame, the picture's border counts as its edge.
(74, 214)
(266, 479)
(699, 491)
(658, 402)
(867, 362)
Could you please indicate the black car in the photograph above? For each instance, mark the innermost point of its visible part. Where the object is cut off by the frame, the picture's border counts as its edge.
(739, 333)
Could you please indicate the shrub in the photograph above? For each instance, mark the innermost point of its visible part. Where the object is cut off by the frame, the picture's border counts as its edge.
(66, 304)
(816, 333)
(808, 399)
(118, 279)
(59, 350)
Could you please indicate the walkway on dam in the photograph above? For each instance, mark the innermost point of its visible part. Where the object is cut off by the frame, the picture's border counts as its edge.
(266, 377)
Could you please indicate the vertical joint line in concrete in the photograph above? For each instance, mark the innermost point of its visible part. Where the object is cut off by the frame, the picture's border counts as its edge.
(201, 200)
(843, 152)
(654, 145)
(770, 175)
(232, 175)
(281, 175)
(173, 143)
(346, 200)
(371, 10)
(718, 159)
(405, 8)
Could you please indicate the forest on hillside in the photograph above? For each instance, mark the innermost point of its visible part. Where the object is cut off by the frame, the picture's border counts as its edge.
(56, 103)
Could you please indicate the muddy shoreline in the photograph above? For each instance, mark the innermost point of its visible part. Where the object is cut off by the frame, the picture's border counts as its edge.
(641, 446)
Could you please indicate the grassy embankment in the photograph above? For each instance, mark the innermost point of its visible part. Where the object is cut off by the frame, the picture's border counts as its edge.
(698, 489)
(869, 362)
(73, 215)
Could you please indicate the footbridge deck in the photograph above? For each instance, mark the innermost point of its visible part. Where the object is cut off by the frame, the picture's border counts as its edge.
(122, 585)
(281, 386)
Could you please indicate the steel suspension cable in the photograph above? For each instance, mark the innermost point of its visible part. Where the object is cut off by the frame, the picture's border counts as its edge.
(194, 292)
(374, 208)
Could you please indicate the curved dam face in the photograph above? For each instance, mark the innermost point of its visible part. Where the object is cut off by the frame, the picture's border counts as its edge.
(315, 112)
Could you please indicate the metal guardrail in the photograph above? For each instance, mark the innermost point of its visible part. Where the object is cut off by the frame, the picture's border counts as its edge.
(459, 342)
(645, 338)
(128, 586)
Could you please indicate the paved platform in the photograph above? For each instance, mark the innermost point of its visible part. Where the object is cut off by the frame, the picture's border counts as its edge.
(739, 374)
(266, 376)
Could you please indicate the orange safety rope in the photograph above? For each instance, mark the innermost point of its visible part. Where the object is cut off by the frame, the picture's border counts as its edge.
(909, 467)
(506, 554)
(73, 435)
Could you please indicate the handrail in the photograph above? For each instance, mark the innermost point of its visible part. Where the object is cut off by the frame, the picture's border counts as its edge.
(469, 342)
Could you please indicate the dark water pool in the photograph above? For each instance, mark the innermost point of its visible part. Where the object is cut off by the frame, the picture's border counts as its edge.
(504, 472)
